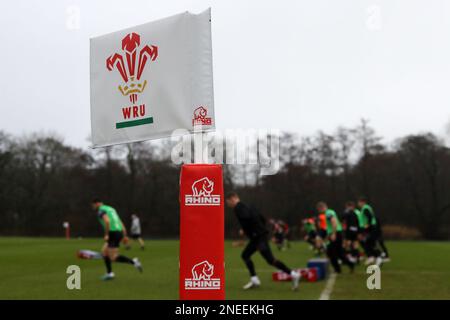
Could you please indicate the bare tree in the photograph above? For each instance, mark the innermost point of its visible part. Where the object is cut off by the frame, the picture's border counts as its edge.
(345, 139)
(369, 143)
(425, 160)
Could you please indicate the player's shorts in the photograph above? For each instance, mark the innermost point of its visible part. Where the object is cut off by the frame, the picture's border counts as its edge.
(312, 235)
(322, 233)
(135, 236)
(351, 235)
(279, 237)
(115, 237)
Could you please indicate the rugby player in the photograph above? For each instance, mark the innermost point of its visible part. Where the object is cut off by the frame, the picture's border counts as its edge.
(372, 232)
(321, 224)
(254, 226)
(380, 242)
(335, 250)
(351, 227)
(311, 236)
(279, 234)
(114, 232)
(135, 230)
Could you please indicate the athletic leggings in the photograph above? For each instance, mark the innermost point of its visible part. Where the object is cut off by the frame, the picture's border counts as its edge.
(335, 251)
(371, 244)
(383, 246)
(261, 244)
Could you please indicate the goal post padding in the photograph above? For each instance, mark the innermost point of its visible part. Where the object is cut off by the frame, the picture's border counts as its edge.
(202, 272)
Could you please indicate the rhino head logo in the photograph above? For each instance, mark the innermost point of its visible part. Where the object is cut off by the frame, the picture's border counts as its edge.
(202, 187)
(200, 113)
(202, 271)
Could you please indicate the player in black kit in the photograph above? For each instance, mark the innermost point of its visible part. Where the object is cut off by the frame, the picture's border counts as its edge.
(254, 226)
(352, 228)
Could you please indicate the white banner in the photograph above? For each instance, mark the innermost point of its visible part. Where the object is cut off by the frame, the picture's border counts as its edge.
(151, 79)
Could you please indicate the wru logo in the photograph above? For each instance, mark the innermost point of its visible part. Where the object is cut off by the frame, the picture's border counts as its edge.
(131, 73)
(136, 60)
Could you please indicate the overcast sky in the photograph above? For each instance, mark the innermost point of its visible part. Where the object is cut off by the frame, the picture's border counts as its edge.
(292, 65)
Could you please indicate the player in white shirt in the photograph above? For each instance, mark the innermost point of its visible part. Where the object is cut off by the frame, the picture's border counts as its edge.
(135, 230)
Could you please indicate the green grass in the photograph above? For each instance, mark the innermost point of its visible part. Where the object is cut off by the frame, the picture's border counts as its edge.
(35, 268)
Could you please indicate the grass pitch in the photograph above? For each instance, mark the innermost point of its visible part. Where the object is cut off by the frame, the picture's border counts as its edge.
(35, 268)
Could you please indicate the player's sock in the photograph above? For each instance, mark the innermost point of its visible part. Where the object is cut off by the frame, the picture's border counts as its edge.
(107, 264)
(124, 259)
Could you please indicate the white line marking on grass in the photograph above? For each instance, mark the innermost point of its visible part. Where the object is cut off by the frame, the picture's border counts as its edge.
(326, 293)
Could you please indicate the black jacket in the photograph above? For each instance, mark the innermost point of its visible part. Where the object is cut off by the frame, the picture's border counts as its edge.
(252, 222)
(351, 220)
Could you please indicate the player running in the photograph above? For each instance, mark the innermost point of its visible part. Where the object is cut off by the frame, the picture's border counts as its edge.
(309, 226)
(135, 230)
(286, 231)
(335, 250)
(279, 234)
(310, 229)
(254, 226)
(380, 241)
(321, 224)
(351, 227)
(371, 232)
(114, 233)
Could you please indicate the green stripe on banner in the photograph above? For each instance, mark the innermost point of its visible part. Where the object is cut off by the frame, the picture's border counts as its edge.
(134, 123)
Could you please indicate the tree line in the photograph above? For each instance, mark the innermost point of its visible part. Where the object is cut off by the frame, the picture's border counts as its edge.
(44, 182)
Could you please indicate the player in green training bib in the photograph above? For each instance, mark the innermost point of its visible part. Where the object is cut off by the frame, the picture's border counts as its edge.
(335, 250)
(114, 232)
(371, 233)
